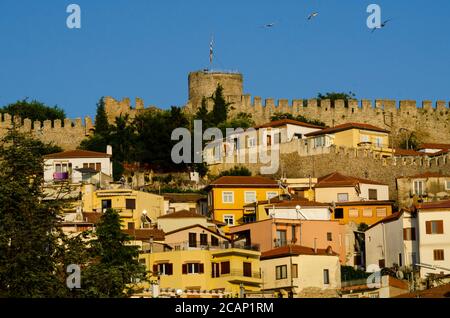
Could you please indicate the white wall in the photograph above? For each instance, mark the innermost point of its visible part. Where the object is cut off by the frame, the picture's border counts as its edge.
(319, 213)
(49, 169)
(382, 191)
(430, 242)
(328, 195)
(294, 129)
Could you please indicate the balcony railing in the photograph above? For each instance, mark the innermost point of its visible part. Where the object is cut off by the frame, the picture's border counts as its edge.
(199, 245)
(240, 273)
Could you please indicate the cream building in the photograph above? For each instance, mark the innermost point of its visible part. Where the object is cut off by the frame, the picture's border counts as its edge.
(297, 271)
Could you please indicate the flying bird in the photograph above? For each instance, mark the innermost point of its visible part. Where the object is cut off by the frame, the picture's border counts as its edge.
(382, 25)
(313, 15)
(269, 25)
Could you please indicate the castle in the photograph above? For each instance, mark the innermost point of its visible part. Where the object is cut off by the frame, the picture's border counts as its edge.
(432, 123)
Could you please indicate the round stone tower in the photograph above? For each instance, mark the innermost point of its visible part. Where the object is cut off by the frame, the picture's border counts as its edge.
(204, 83)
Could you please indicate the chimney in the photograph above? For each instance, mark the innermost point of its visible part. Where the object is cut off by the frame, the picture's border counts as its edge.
(109, 150)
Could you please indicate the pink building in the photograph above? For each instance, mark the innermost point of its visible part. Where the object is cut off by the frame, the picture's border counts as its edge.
(274, 233)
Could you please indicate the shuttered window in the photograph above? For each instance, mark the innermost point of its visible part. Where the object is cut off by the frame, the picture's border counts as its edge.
(409, 234)
(225, 268)
(434, 227)
(438, 255)
(247, 269)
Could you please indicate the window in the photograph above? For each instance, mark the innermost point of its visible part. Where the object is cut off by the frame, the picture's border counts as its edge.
(271, 195)
(215, 270)
(294, 236)
(247, 269)
(225, 268)
(326, 276)
(400, 260)
(319, 142)
(228, 219)
(374, 295)
(381, 212)
(379, 142)
(214, 241)
(131, 225)
(409, 234)
(338, 213)
(203, 239)
(106, 204)
(434, 227)
(353, 213)
(364, 138)
(294, 271)
(269, 140)
(228, 197)
(281, 272)
(192, 239)
(98, 166)
(250, 196)
(92, 166)
(249, 218)
(252, 142)
(373, 194)
(367, 212)
(382, 263)
(438, 255)
(193, 268)
(419, 187)
(130, 204)
(329, 236)
(281, 238)
(165, 269)
(342, 197)
(447, 185)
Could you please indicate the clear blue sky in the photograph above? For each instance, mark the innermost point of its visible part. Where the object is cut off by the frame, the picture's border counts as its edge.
(146, 49)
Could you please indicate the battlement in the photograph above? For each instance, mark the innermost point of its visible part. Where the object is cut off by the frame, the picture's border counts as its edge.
(115, 108)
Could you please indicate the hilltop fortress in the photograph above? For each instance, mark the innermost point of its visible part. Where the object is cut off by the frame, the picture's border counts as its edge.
(432, 123)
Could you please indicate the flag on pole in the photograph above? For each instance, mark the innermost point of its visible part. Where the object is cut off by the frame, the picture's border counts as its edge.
(211, 50)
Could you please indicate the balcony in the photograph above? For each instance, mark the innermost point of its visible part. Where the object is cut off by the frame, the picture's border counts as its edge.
(239, 276)
(198, 245)
(60, 176)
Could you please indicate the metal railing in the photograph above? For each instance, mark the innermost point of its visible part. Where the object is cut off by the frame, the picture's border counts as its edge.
(240, 273)
(201, 245)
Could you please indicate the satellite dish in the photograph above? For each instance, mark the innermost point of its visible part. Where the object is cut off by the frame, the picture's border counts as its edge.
(144, 212)
(298, 207)
(179, 292)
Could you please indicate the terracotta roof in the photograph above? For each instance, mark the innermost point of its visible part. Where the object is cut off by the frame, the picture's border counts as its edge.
(200, 226)
(409, 152)
(294, 203)
(367, 202)
(92, 217)
(283, 122)
(425, 175)
(183, 197)
(146, 234)
(241, 181)
(347, 126)
(437, 292)
(295, 250)
(434, 205)
(339, 180)
(389, 218)
(434, 146)
(77, 154)
(182, 214)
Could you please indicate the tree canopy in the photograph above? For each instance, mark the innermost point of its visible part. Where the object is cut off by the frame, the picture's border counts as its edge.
(34, 110)
(301, 118)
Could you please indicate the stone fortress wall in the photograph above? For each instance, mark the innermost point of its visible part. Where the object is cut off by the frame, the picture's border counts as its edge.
(67, 134)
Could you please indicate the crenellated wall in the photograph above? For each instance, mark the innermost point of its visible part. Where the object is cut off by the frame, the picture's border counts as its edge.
(67, 134)
(115, 108)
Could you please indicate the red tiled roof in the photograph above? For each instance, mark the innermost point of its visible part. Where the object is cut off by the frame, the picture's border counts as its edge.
(437, 292)
(434, 205)
(389, 218)
(283, 122)
(366, 202)
(294, 203)
(347, 126)
(183, 197)
(200, 226)
(405, 152)
(146, 234)
(425, 175)
(435, 146)
(294, 250)
(77, 154)
(339, 180)
(181, 215)
(241, 181)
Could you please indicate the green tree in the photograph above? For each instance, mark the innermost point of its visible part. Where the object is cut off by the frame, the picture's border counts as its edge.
(102, 126)
(204, 115)
(335, 96)
(34, 110)
(29, 231)
(221, 108)
(301, 118)
(236, 171)
(114, 270)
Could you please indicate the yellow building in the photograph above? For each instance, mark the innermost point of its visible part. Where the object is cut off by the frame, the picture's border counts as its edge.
(353, 135)
(228, 197)
(198, 272)
(137, 209)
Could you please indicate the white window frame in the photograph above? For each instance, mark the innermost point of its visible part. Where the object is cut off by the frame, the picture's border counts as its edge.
(250, 201)
(251, 142)
(424, 184)
(365, 138)
(227, 216)
(379, 142)
(365, 214)
(339, 194)
(447, 185)
(353, 210)
(224, 193)
(271, 194)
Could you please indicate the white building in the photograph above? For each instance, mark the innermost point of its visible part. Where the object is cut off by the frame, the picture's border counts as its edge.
(78, 166)
(393, 241)
(434, 237)
(299, 210)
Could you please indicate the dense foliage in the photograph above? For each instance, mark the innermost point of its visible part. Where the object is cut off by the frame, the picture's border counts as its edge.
(301, 118)
(236, 171)
(33, 110)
